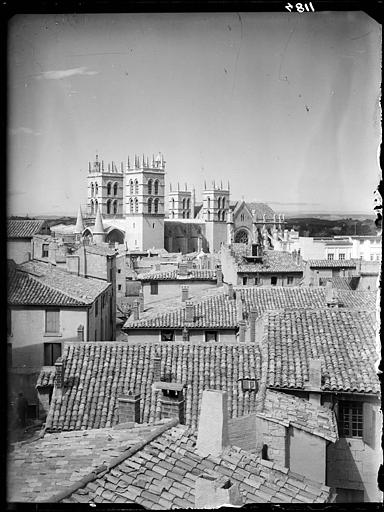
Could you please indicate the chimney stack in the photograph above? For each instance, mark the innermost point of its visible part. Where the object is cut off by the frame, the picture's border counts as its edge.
(212, 435)
(331, 295)
(80, 333)
(184, 293)
(219, 277)
(172, 401)
(252, 325)
(231, 293)
(239, 308)
(183, 269)
(141, 301)
(242, 329)
(189, 311)
(136, 309)
(157, 368)
(211, 492)
(129, 408)
(59, 374)
(314, 383)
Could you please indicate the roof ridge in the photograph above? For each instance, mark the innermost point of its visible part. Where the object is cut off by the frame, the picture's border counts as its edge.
(110, 465)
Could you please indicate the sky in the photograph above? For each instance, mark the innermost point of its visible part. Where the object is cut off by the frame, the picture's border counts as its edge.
(283, 106)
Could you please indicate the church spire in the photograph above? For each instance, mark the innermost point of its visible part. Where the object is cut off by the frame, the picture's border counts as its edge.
(79, 228)
(99, 227)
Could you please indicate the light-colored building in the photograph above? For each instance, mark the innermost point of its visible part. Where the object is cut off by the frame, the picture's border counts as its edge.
(19, 238)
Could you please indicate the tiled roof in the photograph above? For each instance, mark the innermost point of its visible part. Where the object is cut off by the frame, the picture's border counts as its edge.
(96, 373)
(102, 250)
(169, 275)
(218, 311)
(260, 209)
(343, 339)
(46, 376)
(39, 470)
(341, 283)
(332, 263)
(23, 228)
(273, 261)
(302, 414)
(162, 475)
(37, 283)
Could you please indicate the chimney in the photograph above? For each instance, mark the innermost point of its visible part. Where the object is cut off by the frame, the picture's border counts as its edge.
(59, 375)
(219, 277)
(239, 308)
(214, 492)
(189, 264)
(80, 333)
(141, 301)
(331, 295)
(136, 309)
(157, 368)
(72, 264)
(183, 269)
(189, 311)
(231, 293)
(212, 435)
(172, 401)
(242, 329)
(184, 293)
(252, 325)
(185, 334)
(129, 408)
(314, 383)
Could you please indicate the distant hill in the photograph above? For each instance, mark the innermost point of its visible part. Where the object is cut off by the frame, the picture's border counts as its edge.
(320, 226)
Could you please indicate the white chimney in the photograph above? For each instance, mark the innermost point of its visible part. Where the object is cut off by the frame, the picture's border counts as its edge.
(212, 435)
(211, 492)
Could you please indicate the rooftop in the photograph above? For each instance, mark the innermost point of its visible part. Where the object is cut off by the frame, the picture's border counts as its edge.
(170, 275)
(38, 283)
(332, 263)
(23, 228)
(272, 261)
(344, 341)
(217, 310)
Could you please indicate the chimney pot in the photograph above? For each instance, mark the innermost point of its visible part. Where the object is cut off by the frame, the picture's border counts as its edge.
(211, 492)
(212, 435)
(129, 408)
(183, 269)
(219, 277)
(59, 376)
(184, 293)
(242, 329)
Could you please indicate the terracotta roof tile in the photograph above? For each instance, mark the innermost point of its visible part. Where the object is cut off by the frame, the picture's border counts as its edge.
(170, 275)
(17, 228)
(272, 261)
(332, 263)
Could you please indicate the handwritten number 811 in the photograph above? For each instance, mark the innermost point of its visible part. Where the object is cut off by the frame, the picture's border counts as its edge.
(300, 7)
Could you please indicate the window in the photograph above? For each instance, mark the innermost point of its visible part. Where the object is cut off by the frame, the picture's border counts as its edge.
(136, 205)
(273, 280)
(249, 385)
(341, 256)
(115, 189)
(131, 205)
(187, 215)
(97, 307)
(136, 187)
(245, 280)
(183, 215)
(45, 251)
(156, 205)
(350, 419)
(119, 287)
(131, 186)
(242, 217)
(119, 270)
(150, 205)
(149, 187)
(188, 204)
(92, 190)
(92, 207)
(219, 203)
(210, 335)
(256, 280)
(109, 187)
(52, 321)
(154, 288)
(209, 215)
(289, 280)
(96, 189)
(109, 206)
(156, 187)
(209, 202)
(167, 335)
(51, 352)
(223, 202)
(223, 215)
(184, 203)
(173, 204)
(330, 256)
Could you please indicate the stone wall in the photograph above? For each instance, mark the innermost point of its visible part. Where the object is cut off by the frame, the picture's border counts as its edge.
(274, 436)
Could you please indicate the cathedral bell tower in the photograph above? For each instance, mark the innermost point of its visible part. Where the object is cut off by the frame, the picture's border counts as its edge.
(180, 203)
(144, 203)
(105, 188)
(215, 211)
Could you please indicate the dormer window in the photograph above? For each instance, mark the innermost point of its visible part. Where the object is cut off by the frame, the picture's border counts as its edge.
(249, 385)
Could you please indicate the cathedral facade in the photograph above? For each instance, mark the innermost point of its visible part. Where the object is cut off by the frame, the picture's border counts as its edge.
(132, 201)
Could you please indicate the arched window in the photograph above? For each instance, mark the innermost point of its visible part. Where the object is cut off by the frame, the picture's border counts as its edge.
(173, 204)
(188, 203)
(136, 205)
(150, 205)
(108, 206)
(131, 205)
(131, 186)
(156, 205)
(92, 207)
(96, 189)
(109, 186)
(183, 215)
(136, 187)
(115, 185)
(219, 202)
(223, 202)
(92, 190)
(209, 215)
(209, 202)
(184, 203)
(223, 215)
(156, 187)
(150, 187)
(188, 215)
(96, 205)
(115, 207)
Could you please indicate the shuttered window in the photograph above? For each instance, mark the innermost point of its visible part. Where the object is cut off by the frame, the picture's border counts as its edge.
(52, 321)
(51, 352)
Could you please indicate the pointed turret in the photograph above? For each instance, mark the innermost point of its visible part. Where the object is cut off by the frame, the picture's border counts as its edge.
(98, 230)
(128, 163)
(79, 228)
(143, 162)
(153, 161)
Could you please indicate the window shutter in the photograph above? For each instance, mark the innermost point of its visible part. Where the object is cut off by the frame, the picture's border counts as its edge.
(369, 422)
(56, 352)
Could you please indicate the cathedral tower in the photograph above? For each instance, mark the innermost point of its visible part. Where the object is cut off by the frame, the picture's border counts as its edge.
(105, 188)
(215, 209)
(144, 203)
(180, 203)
